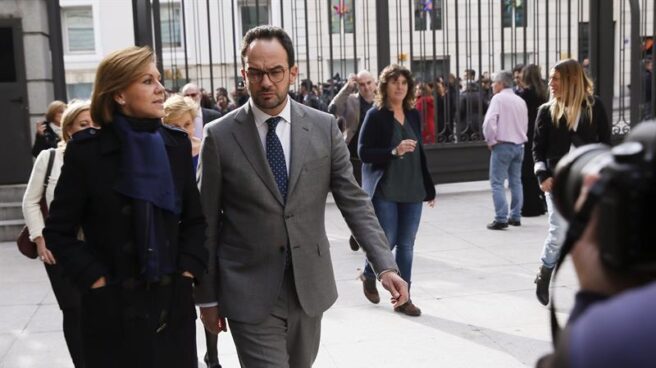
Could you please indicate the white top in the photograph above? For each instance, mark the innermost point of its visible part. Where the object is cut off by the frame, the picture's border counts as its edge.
(283, 131)
(198, 123)
(34, 191)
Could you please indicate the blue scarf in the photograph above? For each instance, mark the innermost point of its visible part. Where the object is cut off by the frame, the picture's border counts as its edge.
(145, 177)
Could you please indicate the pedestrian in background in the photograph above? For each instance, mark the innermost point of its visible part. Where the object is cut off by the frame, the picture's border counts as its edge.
(394, 173)
(47, 168)
(573, 117)
(504, 128)
(49, 132)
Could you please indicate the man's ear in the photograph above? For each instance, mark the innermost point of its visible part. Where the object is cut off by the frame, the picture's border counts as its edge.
(293, 73)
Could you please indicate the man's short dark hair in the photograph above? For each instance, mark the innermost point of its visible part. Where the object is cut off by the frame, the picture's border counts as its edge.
(267, 32)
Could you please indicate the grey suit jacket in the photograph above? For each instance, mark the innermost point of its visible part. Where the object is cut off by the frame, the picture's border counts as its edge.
(249, 225)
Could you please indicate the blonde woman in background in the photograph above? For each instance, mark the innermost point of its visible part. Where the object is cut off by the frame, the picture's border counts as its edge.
(571, 118)
(180, 112)
(74, 119)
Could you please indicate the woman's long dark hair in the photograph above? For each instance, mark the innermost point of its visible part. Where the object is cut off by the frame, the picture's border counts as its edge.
(532, 79)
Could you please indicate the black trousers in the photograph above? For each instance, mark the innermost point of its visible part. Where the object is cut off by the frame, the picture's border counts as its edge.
(140, 325)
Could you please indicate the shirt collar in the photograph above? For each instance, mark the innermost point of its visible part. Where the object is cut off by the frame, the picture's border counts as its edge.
(261, 116)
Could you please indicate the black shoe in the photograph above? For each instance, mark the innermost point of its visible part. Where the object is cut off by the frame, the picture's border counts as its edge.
(542, 281)
(354, 244)
(369, 288)
(494, 225)
(512, 222)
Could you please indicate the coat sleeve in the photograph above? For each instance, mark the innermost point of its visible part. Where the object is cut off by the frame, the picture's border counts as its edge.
(356, 208)
(338, 105)
(33, 194)
(369, 149)
(540, 142)
(210, 183)
(191, 244)
(64, 220)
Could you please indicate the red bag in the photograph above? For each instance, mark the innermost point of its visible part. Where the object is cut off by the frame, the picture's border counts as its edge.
(25, 245)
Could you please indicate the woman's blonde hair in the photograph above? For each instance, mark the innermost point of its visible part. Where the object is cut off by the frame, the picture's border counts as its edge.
(392, 73)
(115, 73)
(74, 109)
(176, 106)
(54, 107)
(575, 89)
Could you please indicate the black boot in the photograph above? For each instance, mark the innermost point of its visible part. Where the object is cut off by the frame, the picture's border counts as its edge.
(354, 244)
(542, 281)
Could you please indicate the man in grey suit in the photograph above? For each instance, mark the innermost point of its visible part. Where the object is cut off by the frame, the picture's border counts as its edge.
(271, 274)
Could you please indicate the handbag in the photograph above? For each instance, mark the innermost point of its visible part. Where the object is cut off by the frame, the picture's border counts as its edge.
(25, 245)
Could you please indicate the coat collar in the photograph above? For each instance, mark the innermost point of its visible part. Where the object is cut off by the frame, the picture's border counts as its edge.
(110, 140)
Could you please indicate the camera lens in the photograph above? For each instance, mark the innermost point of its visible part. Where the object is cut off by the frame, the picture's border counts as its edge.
(570, 172)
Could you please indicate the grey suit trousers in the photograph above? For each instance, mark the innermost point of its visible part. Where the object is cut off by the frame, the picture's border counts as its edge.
(287, 338)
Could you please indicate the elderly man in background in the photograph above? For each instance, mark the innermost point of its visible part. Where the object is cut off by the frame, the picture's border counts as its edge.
(504, 127)
(203, 115)
(351, 104)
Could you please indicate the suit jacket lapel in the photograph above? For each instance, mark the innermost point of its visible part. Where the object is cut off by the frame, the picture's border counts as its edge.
(300, 138)
(249, 141)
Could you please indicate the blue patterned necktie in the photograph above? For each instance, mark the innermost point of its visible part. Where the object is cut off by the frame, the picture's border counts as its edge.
(276, 156)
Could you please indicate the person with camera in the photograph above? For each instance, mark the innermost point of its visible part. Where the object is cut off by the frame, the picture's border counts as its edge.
(573, 117)
(613, 246)
(49, 131)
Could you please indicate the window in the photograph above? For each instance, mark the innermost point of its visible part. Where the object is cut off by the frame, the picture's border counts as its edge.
(253, 13)
(344, 67)
(428, 11)
(78, 30)
(170, 25)
(514, 9)
(342, 16)
(429, 70)
(80, 91)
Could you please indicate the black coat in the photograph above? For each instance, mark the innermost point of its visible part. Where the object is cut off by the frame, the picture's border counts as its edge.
(551, 142)
(85, 197)
(47, 140)
(375, 148)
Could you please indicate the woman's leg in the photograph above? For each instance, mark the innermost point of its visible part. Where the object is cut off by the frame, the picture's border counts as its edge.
(387, 214)
(409, 216)
(73, 334)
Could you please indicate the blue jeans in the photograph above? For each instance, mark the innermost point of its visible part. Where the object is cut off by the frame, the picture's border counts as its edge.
(555, 236)
(400, 222)
(506, 163)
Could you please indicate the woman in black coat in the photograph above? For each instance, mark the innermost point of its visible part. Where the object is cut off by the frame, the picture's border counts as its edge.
(573, 117)
(130, 187)
(394, 172)
(534, 93)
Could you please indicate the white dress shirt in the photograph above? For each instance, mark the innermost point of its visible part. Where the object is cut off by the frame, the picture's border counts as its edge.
(283, 129)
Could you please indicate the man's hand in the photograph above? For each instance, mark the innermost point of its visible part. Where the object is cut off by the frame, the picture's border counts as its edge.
(352, 81)
(546, 185)
(396, 286)
(212, 321)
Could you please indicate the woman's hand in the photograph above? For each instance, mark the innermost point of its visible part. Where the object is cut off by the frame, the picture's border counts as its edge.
(431, 203)
(546, 185)
(187, 274)
(406, 145)
(43, 252)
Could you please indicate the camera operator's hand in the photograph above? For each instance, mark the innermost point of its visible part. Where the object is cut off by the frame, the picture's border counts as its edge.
(547, 185)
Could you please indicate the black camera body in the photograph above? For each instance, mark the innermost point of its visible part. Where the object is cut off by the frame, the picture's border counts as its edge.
(624, 195)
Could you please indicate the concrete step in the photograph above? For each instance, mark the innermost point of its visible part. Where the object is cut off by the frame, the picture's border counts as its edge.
(9, 230)
(11, 211)
(11, 193)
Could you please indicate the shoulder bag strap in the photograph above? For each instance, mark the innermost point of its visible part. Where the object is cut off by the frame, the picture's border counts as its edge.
(43, 202)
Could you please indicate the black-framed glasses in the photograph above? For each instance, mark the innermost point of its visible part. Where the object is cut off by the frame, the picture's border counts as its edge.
(275, 75)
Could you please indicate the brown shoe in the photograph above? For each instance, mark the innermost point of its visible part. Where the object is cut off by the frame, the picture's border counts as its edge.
(409, 309)
(369, 288)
